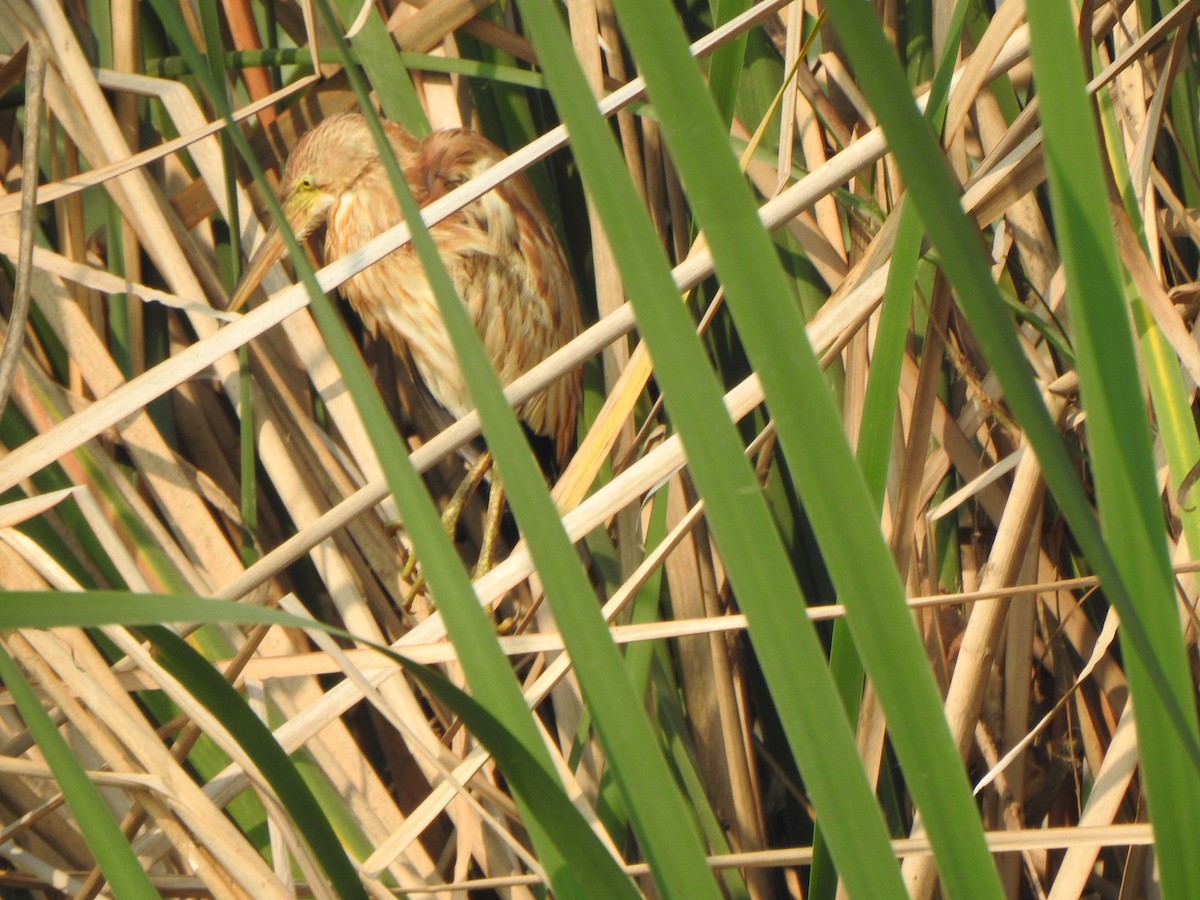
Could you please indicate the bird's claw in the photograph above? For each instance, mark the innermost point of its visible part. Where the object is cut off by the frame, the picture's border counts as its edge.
(411, 572)
(450, 517)
(417, 586)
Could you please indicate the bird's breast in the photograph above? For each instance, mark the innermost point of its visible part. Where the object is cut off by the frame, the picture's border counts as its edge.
(394, 300)
(353, 221)
(508, 271)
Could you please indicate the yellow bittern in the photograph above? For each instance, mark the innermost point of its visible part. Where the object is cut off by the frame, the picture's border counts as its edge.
(500, 251)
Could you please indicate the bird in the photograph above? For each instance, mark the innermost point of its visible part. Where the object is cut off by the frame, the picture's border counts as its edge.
(501, 253)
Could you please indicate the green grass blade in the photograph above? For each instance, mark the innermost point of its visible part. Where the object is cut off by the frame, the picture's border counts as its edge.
(50, 609)
(527, 774)
(530, 773)
(755, 559)
(1172, 413)
(301, 58)
(843, 516)
(725, 65)
(873, 454)
(381, 59)
(231, 266)
(218, 696)
(656, 808)
(1118, 437)
(486, 666)
(883, 384)
(113, 854)
(877, 428)
(914, 145)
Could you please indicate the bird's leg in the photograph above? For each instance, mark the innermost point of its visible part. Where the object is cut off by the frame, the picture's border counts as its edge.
(491, 529)
(466, 490)
(450, 516)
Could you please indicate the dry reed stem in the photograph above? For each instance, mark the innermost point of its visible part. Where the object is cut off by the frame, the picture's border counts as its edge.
(324, 487)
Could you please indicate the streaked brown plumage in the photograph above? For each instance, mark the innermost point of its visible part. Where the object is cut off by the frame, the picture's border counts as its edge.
(500, 252)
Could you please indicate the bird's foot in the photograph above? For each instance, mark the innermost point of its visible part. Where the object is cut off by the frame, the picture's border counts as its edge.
(410, 569)
(491, 531)
(411, 573)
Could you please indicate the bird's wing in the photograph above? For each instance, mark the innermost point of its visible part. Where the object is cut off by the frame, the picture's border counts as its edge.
(510, 270)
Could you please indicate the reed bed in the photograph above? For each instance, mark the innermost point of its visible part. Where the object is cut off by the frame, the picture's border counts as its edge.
(879, 517)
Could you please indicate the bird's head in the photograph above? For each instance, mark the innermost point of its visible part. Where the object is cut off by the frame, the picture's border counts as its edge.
(324, 165)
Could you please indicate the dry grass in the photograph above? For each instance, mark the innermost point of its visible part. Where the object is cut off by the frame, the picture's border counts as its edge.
(141, 430)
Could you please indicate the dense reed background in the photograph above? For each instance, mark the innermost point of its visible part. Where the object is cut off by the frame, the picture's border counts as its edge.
(826, 601)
